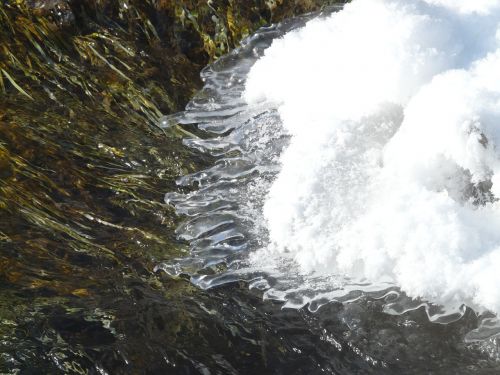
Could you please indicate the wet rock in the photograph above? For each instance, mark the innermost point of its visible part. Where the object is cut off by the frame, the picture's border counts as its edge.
(57, 11)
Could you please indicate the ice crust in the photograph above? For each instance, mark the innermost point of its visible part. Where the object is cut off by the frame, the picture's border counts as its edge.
(393, 168)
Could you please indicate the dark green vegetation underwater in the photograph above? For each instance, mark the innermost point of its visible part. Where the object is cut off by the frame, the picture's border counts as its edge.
(84, 168)
(83, 171)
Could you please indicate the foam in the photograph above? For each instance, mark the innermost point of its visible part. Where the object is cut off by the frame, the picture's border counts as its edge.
(392, 171)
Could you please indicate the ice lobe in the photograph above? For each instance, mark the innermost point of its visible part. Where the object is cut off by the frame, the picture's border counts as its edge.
(393, 168)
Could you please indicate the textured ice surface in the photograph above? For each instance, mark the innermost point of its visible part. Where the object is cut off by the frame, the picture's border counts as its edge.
(392, 171)
(357, 153)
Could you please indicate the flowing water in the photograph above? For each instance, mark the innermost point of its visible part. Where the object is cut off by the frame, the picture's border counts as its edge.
(335, 200)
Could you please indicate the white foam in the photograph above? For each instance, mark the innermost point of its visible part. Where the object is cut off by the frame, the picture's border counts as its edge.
(393, 165)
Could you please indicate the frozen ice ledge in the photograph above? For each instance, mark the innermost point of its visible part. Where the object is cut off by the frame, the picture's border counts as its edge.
(355, 155)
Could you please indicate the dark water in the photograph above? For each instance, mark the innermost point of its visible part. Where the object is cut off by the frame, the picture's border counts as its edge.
(84, 170)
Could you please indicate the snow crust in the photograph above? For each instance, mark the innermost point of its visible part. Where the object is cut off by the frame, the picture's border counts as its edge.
(393, 167)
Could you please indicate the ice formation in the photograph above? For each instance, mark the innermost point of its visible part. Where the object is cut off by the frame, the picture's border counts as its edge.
(393, 168)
